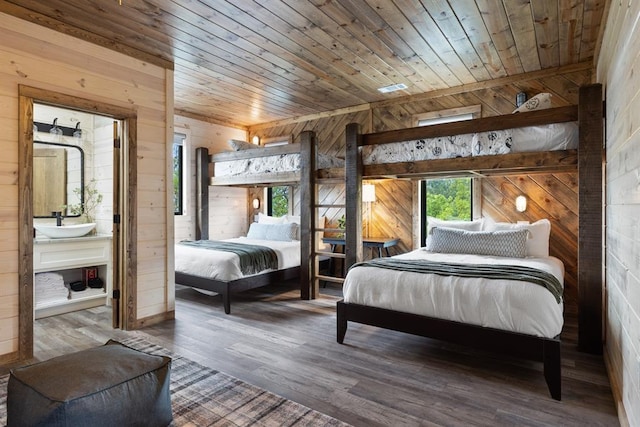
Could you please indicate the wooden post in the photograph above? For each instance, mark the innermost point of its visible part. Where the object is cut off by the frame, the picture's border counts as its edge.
(202, 193)
(308, 264)
(353, 175)
(590, 199)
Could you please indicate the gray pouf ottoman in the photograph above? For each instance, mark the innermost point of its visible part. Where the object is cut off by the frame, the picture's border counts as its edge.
(111, 385)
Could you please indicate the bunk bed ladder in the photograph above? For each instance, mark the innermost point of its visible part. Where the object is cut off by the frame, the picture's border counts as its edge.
(310, 256)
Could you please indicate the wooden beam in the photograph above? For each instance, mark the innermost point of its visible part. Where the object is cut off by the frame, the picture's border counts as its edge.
(590, 198)
(308, 263)
(202, 193)
(353, 178)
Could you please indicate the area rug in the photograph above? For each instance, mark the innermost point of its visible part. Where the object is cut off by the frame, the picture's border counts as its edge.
(202, 396)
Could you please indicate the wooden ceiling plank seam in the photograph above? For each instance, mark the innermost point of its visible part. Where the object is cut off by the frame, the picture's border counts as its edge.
(417, 74)
(393, 66)
(303, 51)
(520, 17)
(208, 119)
(546, 24)
(83, 34)
(594, 12)
(570, 30)
(446, 19)
(320, 38)
(247, 40)
(106, 24)
(243, 92)
(474, 27)
(378, 26)
(497, 25)
(436, 42)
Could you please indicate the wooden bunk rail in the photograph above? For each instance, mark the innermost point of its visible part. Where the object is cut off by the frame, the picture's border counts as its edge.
(262, 180)
(253, 153)
(511, 121)
(504, 164)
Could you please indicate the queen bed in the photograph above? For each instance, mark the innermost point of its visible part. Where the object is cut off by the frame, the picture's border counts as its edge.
(499, 313)
(269, 252)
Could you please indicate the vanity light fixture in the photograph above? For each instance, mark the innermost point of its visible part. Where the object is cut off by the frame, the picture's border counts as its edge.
(256, 203)
(255, 140)
(521, 203)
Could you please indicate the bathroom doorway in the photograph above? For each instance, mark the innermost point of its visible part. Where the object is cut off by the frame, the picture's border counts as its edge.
(77, 208)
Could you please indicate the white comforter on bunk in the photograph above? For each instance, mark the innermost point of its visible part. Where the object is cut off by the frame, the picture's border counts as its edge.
(271, 164)
(502, 304)
(225, 266)
(556, 136)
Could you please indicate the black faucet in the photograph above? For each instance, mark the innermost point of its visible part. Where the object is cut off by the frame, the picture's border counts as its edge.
(58, 216)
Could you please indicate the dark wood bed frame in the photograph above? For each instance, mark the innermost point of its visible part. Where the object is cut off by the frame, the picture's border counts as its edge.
(587, 160)
(228, 288)
(306, 177)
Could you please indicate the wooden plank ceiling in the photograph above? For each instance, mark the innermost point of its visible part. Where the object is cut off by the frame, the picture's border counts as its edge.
(249, 62)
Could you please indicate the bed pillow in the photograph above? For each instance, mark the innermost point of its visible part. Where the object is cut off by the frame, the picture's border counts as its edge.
(280, 232)
(538, 102)
(475, 225)
(238, 145)
(266, 219)
(538, 241)
(508, 243)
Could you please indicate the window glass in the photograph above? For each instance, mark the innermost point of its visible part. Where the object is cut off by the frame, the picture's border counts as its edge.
(178, 170)
(278, 200)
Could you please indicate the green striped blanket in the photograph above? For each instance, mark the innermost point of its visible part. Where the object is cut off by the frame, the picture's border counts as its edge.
(488, 271)
(253, 258)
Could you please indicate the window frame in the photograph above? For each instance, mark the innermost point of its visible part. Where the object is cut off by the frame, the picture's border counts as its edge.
(436, 117)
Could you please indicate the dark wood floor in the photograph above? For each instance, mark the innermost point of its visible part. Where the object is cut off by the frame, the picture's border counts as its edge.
(276, 341)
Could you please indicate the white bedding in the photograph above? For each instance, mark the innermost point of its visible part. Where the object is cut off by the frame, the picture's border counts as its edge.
(555, 136)
(270, 164)
(502, 304)
(225, 266)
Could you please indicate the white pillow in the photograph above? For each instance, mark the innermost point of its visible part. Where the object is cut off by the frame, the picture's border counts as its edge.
(266, 219)
(538, 102)
(538, 241)
(475, 225)
(238, 145)
(293, 219)
(280, 232)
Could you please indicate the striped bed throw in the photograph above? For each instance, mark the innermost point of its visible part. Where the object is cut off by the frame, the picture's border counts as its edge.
(488, 271)
(253, 258)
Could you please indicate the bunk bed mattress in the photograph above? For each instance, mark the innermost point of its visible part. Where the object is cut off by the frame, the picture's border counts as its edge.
(555, 136)
(501, 304)
(225, 266)
(271, 164)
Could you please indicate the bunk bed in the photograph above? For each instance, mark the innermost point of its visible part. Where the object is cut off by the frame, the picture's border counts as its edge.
(586, 159)
(295, 164)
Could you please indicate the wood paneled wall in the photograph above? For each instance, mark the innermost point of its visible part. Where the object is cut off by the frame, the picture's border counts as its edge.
(42, 58)
(550, 196)
(227, 210)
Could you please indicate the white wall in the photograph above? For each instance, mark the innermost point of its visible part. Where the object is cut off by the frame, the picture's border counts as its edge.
(619, 70)
(227, 205)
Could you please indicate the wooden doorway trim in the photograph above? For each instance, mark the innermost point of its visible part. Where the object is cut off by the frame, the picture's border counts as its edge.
(127, 253)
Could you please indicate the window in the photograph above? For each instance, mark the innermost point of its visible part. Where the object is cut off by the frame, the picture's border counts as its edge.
(178, 173)
(446, 198)
(278, 200)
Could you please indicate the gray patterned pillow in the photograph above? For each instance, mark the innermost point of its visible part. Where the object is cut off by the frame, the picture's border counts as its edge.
(281, 232)
(512, 243)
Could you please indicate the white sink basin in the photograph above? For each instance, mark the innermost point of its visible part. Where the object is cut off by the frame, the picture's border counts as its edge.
(65, 231)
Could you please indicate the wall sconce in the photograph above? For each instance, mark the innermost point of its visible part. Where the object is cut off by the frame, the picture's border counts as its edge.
(521, 203)
(521, 98)
(255, 140)
(256, 203)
